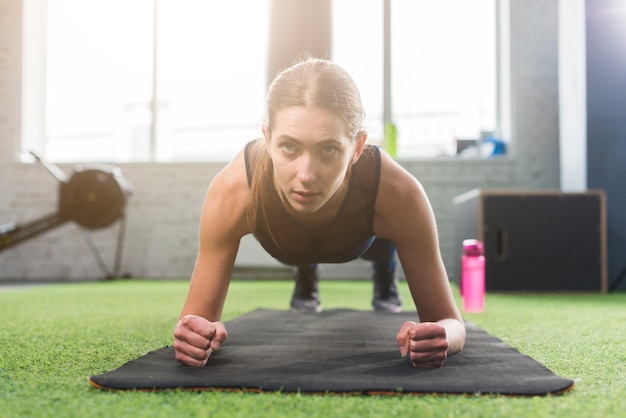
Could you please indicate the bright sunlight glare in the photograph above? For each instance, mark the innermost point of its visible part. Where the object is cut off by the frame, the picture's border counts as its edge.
(103, 103)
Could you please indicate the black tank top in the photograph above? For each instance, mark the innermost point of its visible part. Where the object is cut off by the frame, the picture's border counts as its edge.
(344, 238)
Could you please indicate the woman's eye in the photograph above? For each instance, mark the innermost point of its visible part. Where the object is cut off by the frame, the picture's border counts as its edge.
(288, 148)
(329, 150)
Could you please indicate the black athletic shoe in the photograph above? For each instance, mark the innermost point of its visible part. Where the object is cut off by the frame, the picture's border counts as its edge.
(305, 297)
(386, 297)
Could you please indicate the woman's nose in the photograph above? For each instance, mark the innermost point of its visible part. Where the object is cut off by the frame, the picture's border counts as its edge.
(306, 169)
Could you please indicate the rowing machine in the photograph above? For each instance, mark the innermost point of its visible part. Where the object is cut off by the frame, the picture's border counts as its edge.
(93, 197)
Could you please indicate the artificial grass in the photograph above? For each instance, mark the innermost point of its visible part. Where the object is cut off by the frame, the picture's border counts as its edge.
(52, 338)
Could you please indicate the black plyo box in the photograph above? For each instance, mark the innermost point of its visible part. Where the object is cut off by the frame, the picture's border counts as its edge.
(536, 241)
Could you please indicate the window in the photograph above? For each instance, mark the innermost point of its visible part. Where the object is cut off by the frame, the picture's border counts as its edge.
(197, 67)
(185, 80)
(443, 69)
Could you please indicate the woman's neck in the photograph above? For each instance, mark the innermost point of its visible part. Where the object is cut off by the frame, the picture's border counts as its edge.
(326, 213)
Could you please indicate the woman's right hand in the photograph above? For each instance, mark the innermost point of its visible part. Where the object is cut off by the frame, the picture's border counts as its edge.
(195, 338)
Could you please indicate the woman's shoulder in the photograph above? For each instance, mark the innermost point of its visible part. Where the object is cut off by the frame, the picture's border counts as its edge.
(403, 212)
(399, 193)
(233, 176)
(395, 178)
(252, 153)
(226, 200)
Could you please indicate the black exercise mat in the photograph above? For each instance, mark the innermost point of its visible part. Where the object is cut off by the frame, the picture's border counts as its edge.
(342, 351)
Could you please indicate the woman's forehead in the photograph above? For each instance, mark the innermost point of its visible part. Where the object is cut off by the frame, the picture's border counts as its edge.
(296, 121)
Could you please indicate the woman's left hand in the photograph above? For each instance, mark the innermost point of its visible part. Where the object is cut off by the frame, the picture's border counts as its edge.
(425, 343)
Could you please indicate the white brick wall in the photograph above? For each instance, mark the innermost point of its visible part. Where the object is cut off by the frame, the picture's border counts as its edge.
(10, 77)
(163, 213)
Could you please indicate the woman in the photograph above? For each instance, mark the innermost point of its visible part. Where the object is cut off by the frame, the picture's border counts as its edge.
(311, 191)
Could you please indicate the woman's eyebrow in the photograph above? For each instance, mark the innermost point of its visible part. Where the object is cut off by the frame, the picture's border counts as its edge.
(329, 141)
(321, 143)
(287, 138)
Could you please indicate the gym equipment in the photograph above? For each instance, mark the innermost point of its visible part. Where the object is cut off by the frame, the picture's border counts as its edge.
(536, 240)
(93, 197)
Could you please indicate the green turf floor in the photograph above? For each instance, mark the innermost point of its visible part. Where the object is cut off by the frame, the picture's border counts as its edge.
(53, 337)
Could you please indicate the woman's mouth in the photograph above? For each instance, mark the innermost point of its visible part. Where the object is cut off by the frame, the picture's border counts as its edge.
(304, 196)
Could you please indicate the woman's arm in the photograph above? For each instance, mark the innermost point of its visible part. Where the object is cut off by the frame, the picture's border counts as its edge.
(222, 224)
(404, 215)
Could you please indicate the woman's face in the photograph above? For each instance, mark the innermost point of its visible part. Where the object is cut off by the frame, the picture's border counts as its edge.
(311, 153)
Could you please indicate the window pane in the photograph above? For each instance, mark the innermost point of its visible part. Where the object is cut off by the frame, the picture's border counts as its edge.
(443, 82)
(211, 77)
(443, 73)
(98, 79)
(357, 45)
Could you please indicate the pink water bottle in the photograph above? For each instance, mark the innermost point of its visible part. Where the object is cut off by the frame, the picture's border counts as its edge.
(473, 276)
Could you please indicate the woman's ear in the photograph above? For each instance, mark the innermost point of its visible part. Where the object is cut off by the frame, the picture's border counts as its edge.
(268, 138)
(359, 146)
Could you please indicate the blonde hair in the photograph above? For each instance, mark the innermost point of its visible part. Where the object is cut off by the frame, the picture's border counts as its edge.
(310, 82)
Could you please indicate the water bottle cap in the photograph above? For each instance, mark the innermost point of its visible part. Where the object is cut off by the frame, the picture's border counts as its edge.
(472, 247)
